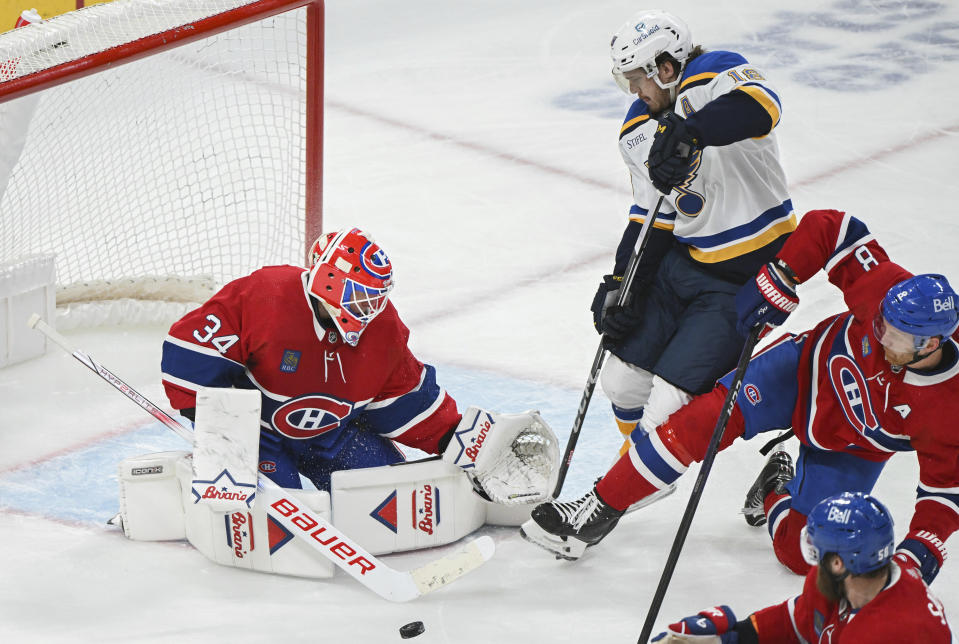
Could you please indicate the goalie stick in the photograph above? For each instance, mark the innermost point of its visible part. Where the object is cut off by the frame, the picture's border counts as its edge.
(306, 525)
(600, 357)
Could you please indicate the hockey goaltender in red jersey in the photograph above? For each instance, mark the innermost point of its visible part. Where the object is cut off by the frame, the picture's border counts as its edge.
(880, 378)
(327, 353)
(856, 593)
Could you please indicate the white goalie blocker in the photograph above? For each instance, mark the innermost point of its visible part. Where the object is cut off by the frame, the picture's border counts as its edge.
(209, 497)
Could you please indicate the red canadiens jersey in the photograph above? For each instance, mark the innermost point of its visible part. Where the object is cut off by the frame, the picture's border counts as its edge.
(850, 399)
(259, 332)
(904, 612)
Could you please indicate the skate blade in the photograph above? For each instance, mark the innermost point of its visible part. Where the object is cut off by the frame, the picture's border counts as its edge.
(567, 548)
(753, 518)
(652, 498)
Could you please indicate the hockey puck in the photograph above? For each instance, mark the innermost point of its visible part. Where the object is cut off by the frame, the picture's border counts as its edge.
(412, 630)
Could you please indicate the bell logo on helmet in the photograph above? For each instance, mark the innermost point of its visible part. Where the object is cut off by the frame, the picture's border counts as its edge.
(838, 516)
(943, 305)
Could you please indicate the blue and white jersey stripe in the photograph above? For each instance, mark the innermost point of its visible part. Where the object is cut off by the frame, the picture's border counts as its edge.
(654, 462)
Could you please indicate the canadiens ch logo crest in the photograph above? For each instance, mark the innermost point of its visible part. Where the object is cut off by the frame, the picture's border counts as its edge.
(291, 361)
(309, 416)
(375, 262)
(852, 393)
(752, 394)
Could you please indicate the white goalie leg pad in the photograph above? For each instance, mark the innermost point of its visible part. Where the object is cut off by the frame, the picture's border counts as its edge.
(226, 448)
(151, 498)
(512, 458)
(251, 538)
(664, 399)
(405, 506)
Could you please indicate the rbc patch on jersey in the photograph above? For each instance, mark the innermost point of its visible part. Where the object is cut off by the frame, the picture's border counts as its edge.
(866, 347)
(291, 361)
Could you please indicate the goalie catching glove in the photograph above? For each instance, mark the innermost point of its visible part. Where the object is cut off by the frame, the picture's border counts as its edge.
(510, 459)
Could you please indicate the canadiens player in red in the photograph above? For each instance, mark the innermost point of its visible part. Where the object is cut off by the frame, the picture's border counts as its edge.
(856, 592)
(859, 387)
(328, 352)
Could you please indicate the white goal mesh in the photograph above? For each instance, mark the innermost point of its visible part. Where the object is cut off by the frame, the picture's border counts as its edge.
(164, 177)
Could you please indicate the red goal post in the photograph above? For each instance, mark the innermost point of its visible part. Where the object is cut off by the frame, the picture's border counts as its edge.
(160, 148)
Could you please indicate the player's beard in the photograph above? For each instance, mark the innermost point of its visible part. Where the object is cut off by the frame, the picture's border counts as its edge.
(829, 584)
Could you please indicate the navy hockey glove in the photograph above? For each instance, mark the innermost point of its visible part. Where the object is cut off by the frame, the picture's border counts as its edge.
(924, 551)
(620, 319)
(605, 297)
(706, 626)
(767, 300)
(671, 153)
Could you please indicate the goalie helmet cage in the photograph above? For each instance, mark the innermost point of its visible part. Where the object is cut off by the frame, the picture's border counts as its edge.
(174, 145)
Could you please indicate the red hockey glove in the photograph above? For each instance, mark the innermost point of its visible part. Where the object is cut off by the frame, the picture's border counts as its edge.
(707, 625)
(766, 300)
(923, 550)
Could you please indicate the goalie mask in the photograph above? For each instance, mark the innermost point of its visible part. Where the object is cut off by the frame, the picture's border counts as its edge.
(351, 277)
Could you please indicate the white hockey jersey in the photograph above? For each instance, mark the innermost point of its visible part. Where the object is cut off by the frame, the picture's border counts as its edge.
(735, 201)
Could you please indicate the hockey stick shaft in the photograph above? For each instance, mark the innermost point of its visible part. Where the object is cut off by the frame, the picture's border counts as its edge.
(697, 493)
(600, 356)
(302, 522)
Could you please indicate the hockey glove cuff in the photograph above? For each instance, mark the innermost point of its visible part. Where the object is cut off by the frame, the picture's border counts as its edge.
(671, 153)
(924, 551)
(767, 300)
(712, 626)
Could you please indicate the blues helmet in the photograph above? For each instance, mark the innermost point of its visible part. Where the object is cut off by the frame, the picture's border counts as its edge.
(855, 526)
(923, 307)
(644, 37)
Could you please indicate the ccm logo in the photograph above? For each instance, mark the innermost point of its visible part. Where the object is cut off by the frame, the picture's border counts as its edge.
(332, 541)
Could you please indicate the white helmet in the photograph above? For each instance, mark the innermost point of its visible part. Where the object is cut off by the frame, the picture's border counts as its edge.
(644, 37)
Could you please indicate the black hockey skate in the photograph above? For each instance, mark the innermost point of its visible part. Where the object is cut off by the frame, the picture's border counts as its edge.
(567, 529)
(777, 471)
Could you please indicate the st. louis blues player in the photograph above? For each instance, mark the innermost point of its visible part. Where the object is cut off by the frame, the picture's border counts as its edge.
(701, 132)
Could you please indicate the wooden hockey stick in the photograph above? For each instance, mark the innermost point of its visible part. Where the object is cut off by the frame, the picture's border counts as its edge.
(700, 483)
(306, 525)
(600, 357)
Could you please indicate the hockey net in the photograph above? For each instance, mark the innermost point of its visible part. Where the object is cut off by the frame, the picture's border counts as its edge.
(169, 147)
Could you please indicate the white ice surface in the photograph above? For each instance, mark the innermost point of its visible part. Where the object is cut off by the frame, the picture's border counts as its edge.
(477, 141)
